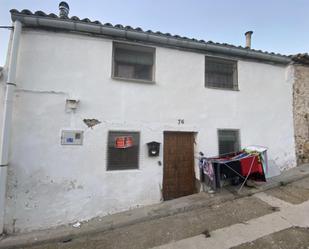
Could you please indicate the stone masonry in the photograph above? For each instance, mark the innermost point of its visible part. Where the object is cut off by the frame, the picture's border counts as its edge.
(301, 107)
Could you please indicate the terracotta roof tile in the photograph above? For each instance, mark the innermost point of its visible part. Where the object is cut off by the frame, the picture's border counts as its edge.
(301, 58)
(138, 29)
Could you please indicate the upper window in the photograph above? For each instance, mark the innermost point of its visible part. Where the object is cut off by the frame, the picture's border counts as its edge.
(221, 73)
(133, 62)
(123, 150)
(228, 141)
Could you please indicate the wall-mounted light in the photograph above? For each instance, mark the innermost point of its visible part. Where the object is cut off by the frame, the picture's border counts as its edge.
(71, 104)
(153, 148)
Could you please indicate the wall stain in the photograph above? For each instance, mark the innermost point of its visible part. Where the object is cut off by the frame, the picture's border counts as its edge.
(72, 185)
(14, 225)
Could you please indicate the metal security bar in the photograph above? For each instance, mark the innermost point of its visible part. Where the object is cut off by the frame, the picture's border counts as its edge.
(221, 73)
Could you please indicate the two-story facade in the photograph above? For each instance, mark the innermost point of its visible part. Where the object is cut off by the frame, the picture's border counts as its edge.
(90, 96)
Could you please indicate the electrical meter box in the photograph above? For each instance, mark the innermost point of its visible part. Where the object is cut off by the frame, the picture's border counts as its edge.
(72, 137)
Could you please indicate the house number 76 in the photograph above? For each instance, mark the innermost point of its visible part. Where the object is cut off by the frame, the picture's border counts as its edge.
(181, 121)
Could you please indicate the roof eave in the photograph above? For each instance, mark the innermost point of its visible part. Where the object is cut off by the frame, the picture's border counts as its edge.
(149, 37)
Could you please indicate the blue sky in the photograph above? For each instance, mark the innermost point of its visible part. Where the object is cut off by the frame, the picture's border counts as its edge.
(279, 25)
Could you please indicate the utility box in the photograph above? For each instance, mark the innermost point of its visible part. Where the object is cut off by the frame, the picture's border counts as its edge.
(72, 137)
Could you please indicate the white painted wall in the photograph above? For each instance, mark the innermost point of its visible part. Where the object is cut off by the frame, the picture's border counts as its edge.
(50, 184)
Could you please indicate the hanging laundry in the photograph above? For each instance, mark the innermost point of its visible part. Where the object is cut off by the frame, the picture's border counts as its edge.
(262, 151)
(250, 163)
(207, 168)
(231, 169)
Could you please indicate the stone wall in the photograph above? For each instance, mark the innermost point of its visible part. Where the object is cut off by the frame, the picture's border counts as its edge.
(301, 112)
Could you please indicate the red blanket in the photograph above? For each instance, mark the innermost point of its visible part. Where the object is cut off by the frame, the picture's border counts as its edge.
(246, 164)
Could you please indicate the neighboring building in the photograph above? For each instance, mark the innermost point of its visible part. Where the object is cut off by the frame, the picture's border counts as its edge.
(301, 106)
(90, 96)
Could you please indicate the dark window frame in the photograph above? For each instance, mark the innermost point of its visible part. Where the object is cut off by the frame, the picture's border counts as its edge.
(131, 48)
(110, 167)
(237, 140)
(233, 86)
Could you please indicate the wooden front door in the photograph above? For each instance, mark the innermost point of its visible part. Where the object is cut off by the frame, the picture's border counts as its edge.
(178, 172)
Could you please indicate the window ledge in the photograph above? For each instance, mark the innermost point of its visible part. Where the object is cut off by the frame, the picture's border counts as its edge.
(134, 80)
(110, 171)
(224, 89)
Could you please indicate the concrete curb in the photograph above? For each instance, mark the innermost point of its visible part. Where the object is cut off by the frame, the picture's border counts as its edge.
(148, 213)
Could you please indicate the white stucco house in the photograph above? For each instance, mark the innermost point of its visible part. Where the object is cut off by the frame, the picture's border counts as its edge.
(80, 100)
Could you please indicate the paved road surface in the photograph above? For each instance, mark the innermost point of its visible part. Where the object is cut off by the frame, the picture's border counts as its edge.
(285, 229)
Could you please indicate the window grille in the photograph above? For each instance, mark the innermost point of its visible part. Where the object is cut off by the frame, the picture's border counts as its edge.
(221, 73)
(228, 141)
(125, 157)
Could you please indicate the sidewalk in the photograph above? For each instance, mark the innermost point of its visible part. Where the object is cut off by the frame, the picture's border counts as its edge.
(163, 212)
(271, 231)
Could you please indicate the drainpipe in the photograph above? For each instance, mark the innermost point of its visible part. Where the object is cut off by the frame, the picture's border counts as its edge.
(7, 119)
